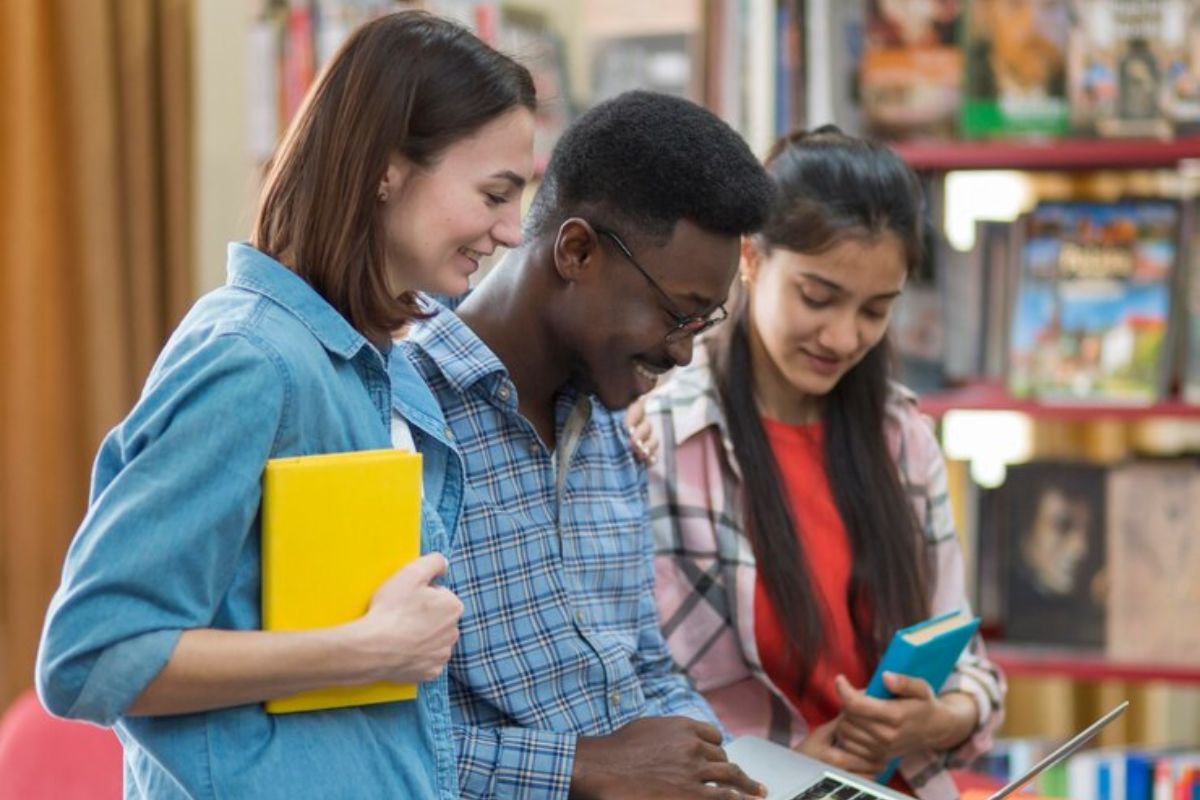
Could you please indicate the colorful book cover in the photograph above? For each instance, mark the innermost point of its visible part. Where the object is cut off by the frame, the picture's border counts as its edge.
(1133, 69)
(1093, 302)
(1016, 68)
(911, 78)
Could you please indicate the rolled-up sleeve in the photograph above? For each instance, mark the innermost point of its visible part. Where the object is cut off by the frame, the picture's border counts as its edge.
(175, 495)
(974, 674)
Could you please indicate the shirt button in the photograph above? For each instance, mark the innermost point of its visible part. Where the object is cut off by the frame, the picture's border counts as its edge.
(614, 698)
(533, 448)
(580, 617)
(503, 393)
(449, 433)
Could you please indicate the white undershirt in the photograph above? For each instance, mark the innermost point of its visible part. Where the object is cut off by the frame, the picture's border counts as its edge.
(402, 438)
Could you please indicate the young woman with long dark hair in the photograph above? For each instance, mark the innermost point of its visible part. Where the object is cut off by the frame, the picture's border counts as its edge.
(799, 499)
(404, 166)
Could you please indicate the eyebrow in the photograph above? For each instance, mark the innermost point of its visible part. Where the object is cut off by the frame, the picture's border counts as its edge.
(510, 176)
(837, 287)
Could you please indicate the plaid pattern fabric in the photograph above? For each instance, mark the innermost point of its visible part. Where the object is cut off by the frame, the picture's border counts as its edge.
(560, 634)
(705, 569)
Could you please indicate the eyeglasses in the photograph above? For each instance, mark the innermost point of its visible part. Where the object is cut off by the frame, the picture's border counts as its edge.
(686, 325)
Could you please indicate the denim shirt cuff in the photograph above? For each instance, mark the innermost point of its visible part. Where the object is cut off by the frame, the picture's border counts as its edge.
(122, 673)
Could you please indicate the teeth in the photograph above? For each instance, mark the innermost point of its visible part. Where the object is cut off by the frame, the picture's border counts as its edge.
(474, 255)
(642, 369)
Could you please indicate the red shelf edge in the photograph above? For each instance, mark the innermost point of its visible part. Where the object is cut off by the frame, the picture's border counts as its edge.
(992, 397)
(1022, 662)
(1048, 154)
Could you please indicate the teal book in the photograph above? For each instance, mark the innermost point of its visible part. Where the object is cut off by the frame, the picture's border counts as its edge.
(927, 650)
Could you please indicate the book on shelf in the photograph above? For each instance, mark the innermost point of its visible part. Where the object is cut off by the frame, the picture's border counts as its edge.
(790, 94)
(848, 29)
(1103, 773)
(1133, 67)
(1189, 331)
(1093, 302)
(911, 74)
(334, 528)
(1051, 527)
(1041, 566)
(1101, 558)
(1015, 63)
(290, 40)
(1154, 562)
(917, 331)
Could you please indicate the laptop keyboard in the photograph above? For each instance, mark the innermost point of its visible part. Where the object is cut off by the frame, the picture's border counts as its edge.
(831, 788)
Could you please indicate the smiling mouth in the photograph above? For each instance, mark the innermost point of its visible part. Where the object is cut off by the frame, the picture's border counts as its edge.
(473, 255)
(648, 371)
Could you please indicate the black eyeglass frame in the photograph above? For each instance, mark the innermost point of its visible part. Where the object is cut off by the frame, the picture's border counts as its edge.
(685, 324)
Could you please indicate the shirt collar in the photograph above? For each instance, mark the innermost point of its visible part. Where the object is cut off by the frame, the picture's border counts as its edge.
(255, 271)
(696, 402)
(455, 350)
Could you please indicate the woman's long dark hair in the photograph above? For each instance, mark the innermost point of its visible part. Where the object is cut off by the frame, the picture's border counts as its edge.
(832, 188)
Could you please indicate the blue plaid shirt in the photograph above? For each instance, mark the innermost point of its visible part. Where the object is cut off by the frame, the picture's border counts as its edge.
(560, 635)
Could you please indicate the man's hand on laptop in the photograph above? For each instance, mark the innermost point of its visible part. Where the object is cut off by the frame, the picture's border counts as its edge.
(821, 744)
(658, 757)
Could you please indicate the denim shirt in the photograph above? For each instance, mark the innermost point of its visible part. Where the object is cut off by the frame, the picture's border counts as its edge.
(261, 368)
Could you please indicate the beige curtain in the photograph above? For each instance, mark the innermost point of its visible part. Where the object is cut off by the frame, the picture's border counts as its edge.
(95, 218)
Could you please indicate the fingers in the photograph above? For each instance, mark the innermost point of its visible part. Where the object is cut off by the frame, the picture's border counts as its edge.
(645, 446)
(707, 733)
(843, 759)
(423, 571)
(825, 733)
(730, 775)
(641, 436)
(861, 743)
(907, 686)
(859, 705)
(635, 415)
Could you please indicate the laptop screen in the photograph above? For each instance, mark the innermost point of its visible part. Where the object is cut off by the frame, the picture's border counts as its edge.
(1065, 749)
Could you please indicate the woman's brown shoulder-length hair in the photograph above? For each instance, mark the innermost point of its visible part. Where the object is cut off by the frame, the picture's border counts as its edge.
(410, 84)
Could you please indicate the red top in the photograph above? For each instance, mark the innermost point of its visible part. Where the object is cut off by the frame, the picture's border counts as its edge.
(799, 451)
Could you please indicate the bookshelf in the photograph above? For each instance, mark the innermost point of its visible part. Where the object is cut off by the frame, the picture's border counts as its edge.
(1048, 154)
(1026, 661)
(990, 396)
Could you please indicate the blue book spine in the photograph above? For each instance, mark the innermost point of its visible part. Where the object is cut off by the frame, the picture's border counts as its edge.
(1139, 777)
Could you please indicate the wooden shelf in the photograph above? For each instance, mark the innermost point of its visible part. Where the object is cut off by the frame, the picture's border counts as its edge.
(1028, 660)
(1050, 154)
(994, 397)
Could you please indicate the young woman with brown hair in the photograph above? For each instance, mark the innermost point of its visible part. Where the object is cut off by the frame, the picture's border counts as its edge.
(404, 167)
(798, 500)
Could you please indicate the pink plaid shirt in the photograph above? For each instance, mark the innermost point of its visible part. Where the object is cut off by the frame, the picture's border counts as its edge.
(705, 570)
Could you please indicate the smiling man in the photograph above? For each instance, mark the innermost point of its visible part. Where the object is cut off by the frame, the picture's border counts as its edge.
(561, 684)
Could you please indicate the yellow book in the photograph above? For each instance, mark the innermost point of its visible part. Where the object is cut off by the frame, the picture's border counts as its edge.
(334, 528)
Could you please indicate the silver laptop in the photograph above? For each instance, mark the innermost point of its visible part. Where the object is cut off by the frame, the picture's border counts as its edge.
(789, 775)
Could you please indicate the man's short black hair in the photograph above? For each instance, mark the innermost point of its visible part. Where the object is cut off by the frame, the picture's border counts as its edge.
(642, 161)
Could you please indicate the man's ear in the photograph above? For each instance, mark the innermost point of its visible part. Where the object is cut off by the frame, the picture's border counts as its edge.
(575, 250)
(751, 260)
